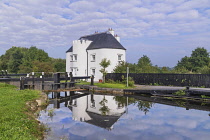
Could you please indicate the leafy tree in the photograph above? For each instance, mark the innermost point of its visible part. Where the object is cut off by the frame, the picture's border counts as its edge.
(185, 63)
(204, 70)
(104, 64)
(122, 67)
(15, 61)
(25, 60)
(42, 66)
(59, 65)
(144, 61)
(198, 59)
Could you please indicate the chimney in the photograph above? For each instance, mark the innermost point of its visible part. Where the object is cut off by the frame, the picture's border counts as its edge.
(117, 37)
(111, 31)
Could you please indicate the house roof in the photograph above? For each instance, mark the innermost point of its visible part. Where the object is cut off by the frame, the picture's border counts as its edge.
(70, 49)
(102, 40)
(102, 121)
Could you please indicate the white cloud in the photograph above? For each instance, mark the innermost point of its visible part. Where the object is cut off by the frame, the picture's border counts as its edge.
(184, 15)
(53, 23)
(192, 4)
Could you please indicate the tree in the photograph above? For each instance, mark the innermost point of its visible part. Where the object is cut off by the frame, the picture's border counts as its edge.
(144, 61)
(59, 65)
(104, 64)
(185, 63)
(42, 66)
(198, 59)
(15, 61)
(122, 67)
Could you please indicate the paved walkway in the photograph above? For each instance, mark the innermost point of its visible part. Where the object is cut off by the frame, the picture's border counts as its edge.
(166, 89)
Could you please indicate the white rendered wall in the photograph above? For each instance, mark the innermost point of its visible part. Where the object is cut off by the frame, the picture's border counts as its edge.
(68, 64)
(112, 105)
(80, 65)
(109, 54)
(79, 111)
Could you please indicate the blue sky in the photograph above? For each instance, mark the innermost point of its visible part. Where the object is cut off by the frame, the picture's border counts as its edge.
(164, 30)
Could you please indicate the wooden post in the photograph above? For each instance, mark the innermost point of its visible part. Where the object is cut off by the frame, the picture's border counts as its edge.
(92, 80)
(56, 81)
(71, 80)
(66, 78)
(56, 94)
(25, 83)
(56, 104)
(21, 83)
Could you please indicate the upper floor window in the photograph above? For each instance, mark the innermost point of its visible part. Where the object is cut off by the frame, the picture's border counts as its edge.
(93, 57)
(73, 57)
(119, 57)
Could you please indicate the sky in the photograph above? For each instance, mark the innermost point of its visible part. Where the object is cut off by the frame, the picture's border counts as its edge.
(164, 30)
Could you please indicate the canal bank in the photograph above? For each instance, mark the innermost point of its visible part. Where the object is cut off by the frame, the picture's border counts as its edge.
(188, 93)
(18, 113)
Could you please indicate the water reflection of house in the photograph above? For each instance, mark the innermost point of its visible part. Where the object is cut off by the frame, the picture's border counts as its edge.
(98, 110)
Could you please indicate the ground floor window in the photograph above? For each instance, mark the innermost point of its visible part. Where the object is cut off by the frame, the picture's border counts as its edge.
(93, 71)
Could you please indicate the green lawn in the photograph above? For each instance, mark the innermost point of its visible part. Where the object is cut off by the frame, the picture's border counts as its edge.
(106, 85)
(14, 123)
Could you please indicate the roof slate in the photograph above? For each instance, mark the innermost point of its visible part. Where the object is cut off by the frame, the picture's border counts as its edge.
(70, 49)
(102, 40)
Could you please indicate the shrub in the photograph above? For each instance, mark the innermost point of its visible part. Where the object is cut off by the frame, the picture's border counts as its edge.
(130, 81)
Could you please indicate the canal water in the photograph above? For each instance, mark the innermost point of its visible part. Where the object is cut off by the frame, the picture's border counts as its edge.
(84, 116)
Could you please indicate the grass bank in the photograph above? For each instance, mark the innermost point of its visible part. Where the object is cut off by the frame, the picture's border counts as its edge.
(105, 85)
(15, 121)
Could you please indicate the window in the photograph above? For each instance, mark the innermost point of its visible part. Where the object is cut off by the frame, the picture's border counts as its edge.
(93, 57)
(119, 57)
(92, 104)
(75, 71)
(75, 57)
(71, 57)
(93, 71)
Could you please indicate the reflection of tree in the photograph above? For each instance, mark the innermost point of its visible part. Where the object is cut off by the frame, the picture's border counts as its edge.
(144, 106)
(51, 113)
(104, 109)
(123, 100)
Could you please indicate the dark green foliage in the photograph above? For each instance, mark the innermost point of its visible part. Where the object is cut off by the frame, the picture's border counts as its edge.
(104, 64)
(59, 65)
(130, 81)
(198, 62)
(25, 60)
(144, 61)
(144, 66)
